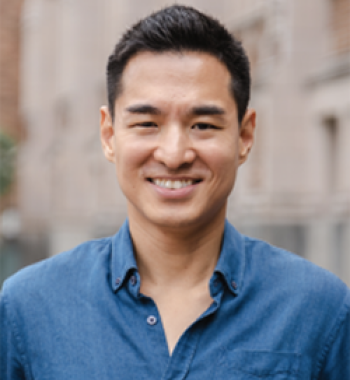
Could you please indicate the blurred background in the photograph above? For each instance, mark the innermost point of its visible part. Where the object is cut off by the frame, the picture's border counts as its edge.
(57, 189)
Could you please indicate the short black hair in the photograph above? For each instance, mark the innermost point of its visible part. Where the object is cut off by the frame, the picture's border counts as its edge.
(179, 29)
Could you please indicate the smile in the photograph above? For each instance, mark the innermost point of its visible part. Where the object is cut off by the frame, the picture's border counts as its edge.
(177, 184)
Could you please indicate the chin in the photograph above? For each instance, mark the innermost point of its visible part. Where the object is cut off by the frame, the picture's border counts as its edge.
(180, 222)
(174, 222)
(177, 217)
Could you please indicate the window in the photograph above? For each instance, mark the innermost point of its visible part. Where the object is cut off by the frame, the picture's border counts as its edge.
(331, 152)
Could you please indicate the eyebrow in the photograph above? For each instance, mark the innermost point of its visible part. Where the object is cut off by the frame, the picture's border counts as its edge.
(204, 110)
(143, 109)
(207, 111)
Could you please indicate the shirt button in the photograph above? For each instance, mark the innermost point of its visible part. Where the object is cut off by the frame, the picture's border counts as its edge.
(151, 320)
(234, 285)
(117, 281)
(133, 280)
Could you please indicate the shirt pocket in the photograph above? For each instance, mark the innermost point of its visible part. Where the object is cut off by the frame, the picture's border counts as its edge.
(254, 365)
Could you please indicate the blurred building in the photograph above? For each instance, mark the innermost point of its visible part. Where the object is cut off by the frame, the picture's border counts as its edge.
(10, 136)
(10, 14)
(295, 189)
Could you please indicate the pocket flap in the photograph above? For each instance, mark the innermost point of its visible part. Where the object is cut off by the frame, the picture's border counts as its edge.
(262, 363)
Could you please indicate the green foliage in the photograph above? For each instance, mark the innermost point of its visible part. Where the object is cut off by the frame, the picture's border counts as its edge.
(7, 162)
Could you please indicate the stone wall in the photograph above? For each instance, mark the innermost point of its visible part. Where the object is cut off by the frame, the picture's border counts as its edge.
(340, 25)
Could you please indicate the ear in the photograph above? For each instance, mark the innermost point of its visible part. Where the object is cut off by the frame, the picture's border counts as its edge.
(107, 134)
(246, 135)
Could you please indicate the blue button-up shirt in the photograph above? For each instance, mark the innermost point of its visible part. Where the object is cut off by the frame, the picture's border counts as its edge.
(80, 315)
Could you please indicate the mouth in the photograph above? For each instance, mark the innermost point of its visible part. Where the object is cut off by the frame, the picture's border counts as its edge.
(173, 184)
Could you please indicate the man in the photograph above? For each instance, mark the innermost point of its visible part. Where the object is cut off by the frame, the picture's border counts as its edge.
(177, 293)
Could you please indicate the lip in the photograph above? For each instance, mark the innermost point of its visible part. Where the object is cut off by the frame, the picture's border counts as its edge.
(174, 177)
(175, 193)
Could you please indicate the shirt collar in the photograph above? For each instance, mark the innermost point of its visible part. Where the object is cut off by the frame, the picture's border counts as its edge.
(231, 262)
(230, 265)
(123, 259)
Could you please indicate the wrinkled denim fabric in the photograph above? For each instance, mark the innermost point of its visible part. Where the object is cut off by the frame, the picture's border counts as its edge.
(80, 315)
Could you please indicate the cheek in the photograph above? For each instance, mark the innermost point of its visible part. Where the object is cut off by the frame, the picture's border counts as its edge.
(131, 156)
(222, 158)
(223, 163)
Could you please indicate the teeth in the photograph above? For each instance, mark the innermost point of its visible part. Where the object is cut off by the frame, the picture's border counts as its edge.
(168, 184)
(177, 185)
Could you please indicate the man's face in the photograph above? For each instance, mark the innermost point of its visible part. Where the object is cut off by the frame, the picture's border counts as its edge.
(176, 142)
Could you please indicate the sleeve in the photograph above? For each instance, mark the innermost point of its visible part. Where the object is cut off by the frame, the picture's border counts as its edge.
(337, 362)
(10, 358)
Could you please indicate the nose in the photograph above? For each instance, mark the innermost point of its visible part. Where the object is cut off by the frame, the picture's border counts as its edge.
(174, 147)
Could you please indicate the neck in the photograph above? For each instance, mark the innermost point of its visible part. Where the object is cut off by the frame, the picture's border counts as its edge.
(176, 258)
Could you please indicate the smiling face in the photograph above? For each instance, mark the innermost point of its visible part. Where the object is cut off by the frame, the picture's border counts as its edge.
(175, 140)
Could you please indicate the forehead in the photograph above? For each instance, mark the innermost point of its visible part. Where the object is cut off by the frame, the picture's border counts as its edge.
(176, 77)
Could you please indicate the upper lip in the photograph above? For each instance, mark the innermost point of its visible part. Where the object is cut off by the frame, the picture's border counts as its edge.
(175, 178)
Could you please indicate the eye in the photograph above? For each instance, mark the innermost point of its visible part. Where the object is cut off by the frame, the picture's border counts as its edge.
(146, 124)
(203, 126)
